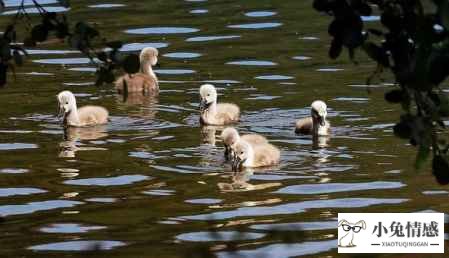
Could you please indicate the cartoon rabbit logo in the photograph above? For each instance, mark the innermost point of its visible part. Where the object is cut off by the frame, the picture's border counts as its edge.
(350, 229)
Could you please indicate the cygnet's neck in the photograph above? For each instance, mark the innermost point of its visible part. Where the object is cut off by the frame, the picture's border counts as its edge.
(249, 162)
(147, 69)
(71, 117)
(212, 109)
(318, 129)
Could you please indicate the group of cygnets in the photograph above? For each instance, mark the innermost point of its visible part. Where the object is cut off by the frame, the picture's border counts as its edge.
(248, 151)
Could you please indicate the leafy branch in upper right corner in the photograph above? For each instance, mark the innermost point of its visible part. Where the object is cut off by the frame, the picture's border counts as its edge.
(413, 43)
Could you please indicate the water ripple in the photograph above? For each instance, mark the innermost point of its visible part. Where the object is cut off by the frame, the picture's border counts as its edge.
(108, 181)
(296, 226)
(338, 187)
(211, 38)
(69, 228)
(218, 236)
(262, 25)
(162, 30)
(17, 209)
(4, 192)
(86, 245)
(17, 146)
(284, 250)
(293, 208)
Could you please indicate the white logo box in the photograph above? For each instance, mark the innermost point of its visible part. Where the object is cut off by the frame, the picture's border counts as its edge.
(390, 233)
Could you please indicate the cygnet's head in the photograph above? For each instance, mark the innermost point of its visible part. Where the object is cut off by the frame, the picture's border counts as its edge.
(241, 151)
(208, 95)
(149, 54)
(67, 102)
(319, 111)
(230, 136)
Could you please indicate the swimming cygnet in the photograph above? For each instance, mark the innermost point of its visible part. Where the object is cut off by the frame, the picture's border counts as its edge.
(145, 80)
(213, 113)
(80, 117)
(230, 137)
(260, 155)
(317, 124)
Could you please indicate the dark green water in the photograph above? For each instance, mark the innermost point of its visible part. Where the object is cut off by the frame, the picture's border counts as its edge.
(152, 183)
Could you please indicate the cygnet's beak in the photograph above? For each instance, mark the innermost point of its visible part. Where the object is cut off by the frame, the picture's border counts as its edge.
(60, 112)
(322, 120)
(229, 154)
(236, 164)
(203, 104)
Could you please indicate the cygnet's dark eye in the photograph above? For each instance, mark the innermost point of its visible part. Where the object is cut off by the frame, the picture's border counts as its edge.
(241, 152)
(67, 103)
(208, 94)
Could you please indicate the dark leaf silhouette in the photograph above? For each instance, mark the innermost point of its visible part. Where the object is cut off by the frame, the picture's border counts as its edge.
(416, 51)
(394, 96)
(131, 64)
(336, 48)
(114, 44)
(440, 169)
(18, 59)
(39, 33)
(3, 74)
(64, 3)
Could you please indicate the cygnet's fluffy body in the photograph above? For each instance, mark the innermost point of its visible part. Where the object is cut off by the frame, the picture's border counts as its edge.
(144, 81)
(317, 123)
(80, 117)
(231, 136)
(213, 113)
(260, 155)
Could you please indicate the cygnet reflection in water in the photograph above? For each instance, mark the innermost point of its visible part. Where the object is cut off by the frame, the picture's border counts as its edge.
(240, 183)
(147, 104)
(72, 135)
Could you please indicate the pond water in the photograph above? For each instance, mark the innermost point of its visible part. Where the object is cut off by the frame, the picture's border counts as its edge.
(153, 183)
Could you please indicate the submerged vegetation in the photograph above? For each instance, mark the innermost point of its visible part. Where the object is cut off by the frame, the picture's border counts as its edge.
(413, 44)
